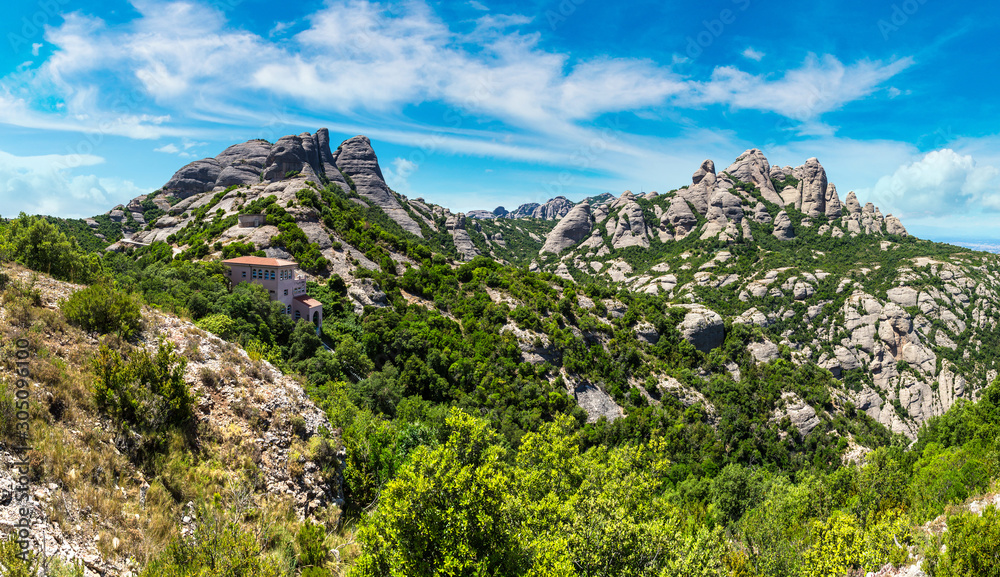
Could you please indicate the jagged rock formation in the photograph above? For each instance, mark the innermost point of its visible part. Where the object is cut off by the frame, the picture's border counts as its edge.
(305, 156)
(752, 166)
(456, 228)
(631, 228)
(523, 211)
(356, 159)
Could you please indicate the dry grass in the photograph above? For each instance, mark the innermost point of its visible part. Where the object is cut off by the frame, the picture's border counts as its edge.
(97, 488)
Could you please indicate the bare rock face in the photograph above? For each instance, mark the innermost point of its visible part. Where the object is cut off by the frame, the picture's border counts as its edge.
(702, 327)
(356, 159)
(554, 209)
(707, 167)
(523, 211)
(290, 154)
(631, 228)
(679, 215)
(573, 228)
(194, 178)
(833, 206)
(792, 196)
(703, 183)
(852, 204)
(730, 205)
(894, 226)
(455, 224)
(760, 213)
(244, 163)
(783, 227)
(802, 415)
(813, 187)
(764, 352)
(752, 166)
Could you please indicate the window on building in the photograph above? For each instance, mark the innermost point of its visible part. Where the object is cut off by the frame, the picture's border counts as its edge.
(298, 315)
(286, 292)
(253, 273)
(272, 275)
(288, 309)
(244, 274)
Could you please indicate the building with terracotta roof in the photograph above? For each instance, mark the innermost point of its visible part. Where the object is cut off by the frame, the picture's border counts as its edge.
(283, 284)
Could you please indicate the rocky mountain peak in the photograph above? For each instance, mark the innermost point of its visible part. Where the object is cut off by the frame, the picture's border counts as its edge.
(752, 166)
(707, 168)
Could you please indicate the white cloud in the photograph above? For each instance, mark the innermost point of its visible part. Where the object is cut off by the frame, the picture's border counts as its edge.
(398, 173)
(819, 86)
(940, 184)
(479, 6)
(35, 48)
(47, 185)
(168, 149)
(753, 54)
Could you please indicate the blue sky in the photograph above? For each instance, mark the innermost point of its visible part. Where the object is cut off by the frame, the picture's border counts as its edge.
(477, 104)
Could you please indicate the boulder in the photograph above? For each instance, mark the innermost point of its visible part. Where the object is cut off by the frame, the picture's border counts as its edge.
(783, 229)
(702, 327)
(573, 228)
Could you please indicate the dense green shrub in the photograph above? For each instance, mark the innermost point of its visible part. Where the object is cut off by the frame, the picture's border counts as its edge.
(143, 393)
(104, 309)
(972, 547)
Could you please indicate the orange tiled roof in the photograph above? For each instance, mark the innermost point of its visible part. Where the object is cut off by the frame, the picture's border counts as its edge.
(259, 261)
(308, 301)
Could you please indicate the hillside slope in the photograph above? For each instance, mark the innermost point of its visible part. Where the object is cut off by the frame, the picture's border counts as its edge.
(258, 442)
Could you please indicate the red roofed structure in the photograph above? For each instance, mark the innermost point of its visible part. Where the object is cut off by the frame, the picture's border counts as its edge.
(283, 284)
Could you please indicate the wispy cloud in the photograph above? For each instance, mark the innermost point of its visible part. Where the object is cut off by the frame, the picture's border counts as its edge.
(753, 54)
(47, 185)
(821, 85)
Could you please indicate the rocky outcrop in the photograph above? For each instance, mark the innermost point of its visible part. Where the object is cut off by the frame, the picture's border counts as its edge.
(631, 228)
(356, 159)
(554, 209)
(292, 154)
(455, 225)
(523, 211)
(894, 226)
(680, 217)
(198, 176)
(573, 228)
(752, 166)
(702, 327)
(812, 188)
(833, 206)
(783, 229)
(852, 204)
